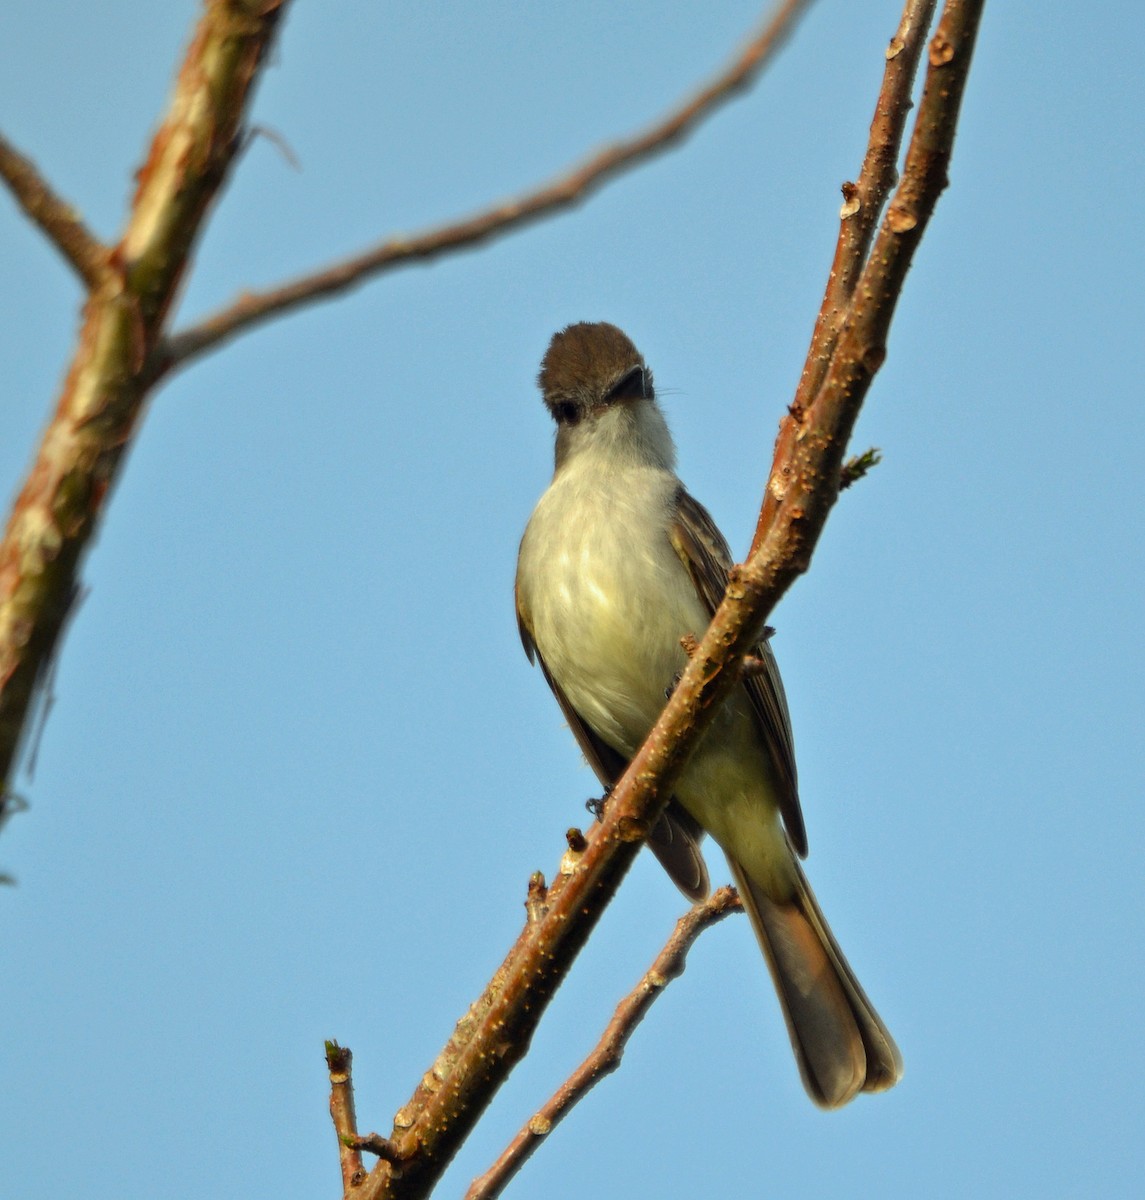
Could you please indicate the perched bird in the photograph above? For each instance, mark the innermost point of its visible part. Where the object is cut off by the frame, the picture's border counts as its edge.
(617, 563)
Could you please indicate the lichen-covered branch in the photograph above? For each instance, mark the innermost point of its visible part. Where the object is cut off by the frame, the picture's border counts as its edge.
(59, 506)
(569, 189)
(60, 222)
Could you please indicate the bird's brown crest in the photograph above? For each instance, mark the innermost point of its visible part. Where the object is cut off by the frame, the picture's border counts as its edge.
(584, 360)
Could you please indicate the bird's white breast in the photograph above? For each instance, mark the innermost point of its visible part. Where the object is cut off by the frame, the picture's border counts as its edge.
(607, 599)
(606, 595)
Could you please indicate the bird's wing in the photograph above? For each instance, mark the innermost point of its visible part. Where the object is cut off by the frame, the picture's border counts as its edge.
(704, 552)
(675, 840)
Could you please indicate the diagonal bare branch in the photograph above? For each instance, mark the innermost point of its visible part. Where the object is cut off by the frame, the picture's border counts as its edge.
(863, 200)
(863, 203)
(793, 512)
(606, 1055)
(493, 1036)
(62, 224)
(62, 499)
(567, 190)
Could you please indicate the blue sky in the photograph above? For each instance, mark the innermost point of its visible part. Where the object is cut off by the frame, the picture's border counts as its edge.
(298, 771)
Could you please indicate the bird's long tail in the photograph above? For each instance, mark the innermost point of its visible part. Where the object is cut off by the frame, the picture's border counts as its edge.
(840, 1043)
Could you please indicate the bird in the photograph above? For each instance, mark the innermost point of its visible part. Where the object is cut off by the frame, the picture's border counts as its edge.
(617, 563)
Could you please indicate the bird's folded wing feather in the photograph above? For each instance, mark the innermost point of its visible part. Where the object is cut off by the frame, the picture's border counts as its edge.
(702, 549)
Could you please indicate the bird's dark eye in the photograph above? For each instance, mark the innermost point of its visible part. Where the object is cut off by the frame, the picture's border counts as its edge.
(566, 413)
(630, 386)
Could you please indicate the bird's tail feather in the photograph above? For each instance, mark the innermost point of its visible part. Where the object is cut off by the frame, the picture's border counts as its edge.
(840, 1043)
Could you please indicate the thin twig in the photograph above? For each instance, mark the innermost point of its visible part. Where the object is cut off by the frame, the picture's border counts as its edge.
(605, 1057)
(495, 1033)
(111, 374)
(339, 1062)
(374, 1143)
(567, 190)
(857, 466)
(863, 202)
(58, 220)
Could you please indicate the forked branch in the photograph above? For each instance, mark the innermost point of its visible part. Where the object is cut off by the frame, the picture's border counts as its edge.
(863, 204)
(59, 221)
(112, 372)
(124, 348)
(802, 489)
(606, 1055)
(567, 190)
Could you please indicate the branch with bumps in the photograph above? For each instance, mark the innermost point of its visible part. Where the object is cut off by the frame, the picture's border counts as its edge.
(846, 353)
(606, 1055)
(125, 348)
(132, 287)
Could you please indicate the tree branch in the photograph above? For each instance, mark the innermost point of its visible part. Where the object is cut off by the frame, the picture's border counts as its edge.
(863, 203)
(82, 250)
(608, 1052)
(123, 351)
(81, 452)
(495, 1033)
(339, 1062)
(567, 190)
(819, 433)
